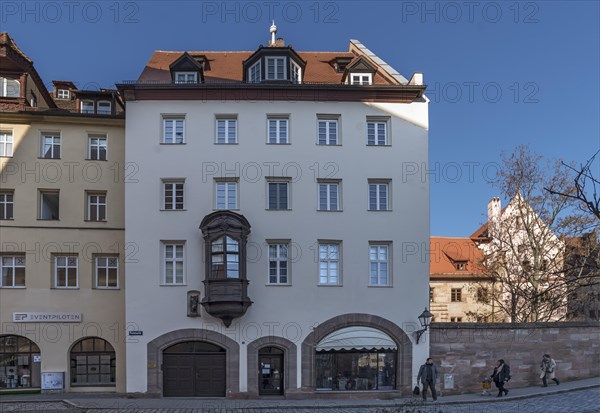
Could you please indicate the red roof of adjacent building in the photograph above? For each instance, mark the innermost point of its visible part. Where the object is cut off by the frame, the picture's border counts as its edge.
(447, 253)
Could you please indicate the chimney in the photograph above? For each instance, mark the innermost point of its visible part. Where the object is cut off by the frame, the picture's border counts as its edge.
(494, 208)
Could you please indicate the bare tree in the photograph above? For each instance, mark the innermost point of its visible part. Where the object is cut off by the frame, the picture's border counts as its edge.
(524, 243)
(586, 186)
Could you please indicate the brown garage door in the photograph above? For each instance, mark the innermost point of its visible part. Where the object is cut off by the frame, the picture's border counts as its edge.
(194, 369)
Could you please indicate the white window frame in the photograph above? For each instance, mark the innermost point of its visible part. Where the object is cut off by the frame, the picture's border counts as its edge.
(66, 267)
(87, 110)
(63, 94)
(379, 263)
(254, 73)
(5, 202)
(94, 200)
(186, 75)
(227, 186)
(106, 268)
(173, 122)
(274, 60)
(374, 128)
(296, 75)
(361, 78)
(10, 262)
(325, 249)
(329, 138)
(56, 142)
(7, 142)
(104, 103)
(97, 142)
(5, 87)
(377, 185)
(172, 279)
(41, 197)
(328, 185)
(278, 138)
(226, 138)
(279, 181)
(171, 185)
(279, 253)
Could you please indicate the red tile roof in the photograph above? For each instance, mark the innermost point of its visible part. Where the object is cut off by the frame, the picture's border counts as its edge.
(228, 67)
(445, 252)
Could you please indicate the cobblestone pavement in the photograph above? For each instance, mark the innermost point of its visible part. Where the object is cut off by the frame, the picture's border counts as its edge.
(576, 401)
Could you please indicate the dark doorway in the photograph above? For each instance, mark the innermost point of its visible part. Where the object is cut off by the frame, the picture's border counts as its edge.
(194, 369)
(270, 371)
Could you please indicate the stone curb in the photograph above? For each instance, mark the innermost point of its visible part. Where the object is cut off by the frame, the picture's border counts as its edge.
(407, 402)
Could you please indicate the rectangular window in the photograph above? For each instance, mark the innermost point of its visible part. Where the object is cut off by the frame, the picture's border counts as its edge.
(173, 130)
(49, 205)
(97, 147)
(277, 131)
(87, 106)
(173, 195)
(379, 196)
(279, 263)
(431, 294)
(483, 294)
(377, 132)
(329, 195)
(50, 146)
(226, 131)
(379, 264)
(173, 263)
(456, 295)
(65, 271)
(296, 73)
(276, 68)
(7, 206)
(96, 207)
(186, 77)
(12, 268)
(63, 94)
(456, 319)
(278, 197)
(254, 75)
(104, 108)
(107, 271)
(327, 132)
(361, 78)
(226, 194)
(6, 143)
(329, 263)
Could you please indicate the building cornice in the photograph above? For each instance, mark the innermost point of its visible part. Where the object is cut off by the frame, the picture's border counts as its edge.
(272, 92)
(60, 117)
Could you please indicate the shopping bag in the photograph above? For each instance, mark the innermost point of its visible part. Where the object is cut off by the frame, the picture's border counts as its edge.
(416, 391)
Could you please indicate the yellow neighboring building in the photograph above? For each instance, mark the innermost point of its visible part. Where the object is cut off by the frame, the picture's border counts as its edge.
(62, 251)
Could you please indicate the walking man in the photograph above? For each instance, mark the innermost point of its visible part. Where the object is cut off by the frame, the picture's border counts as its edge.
(500, 376)
(548, 366)
(428, 376)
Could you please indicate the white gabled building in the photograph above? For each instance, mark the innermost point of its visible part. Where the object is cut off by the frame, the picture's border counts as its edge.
(268, 221)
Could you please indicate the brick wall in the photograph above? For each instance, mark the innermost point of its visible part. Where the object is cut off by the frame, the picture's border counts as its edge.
(468, 351)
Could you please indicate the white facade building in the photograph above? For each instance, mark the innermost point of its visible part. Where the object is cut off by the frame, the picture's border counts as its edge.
(298, 280)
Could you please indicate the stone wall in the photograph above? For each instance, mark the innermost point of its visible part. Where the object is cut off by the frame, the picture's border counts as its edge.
(469, 351)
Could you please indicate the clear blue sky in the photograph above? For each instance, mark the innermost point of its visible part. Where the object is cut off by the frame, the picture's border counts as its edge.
(499, 73)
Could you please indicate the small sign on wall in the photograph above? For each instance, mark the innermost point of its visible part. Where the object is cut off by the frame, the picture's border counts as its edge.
(448, 381)
(53, 380)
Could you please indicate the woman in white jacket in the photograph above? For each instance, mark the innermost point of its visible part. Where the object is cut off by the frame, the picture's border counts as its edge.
(547, 370)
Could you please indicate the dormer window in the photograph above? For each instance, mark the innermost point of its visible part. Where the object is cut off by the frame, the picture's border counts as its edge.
(87, 106)
(9, 88)
(254, 73)
(460, 266)
(296, 73)
(186, 77)
(104, 108)
(361, 78)
(276, 68)
(63, 94)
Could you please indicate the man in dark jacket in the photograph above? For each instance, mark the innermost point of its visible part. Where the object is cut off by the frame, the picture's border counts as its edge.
(500, 376)
(428, 376)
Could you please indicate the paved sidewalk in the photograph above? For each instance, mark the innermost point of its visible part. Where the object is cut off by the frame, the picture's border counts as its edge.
(109, 401)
